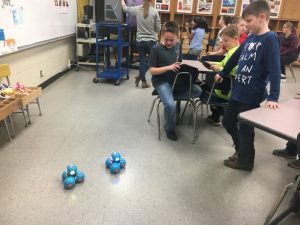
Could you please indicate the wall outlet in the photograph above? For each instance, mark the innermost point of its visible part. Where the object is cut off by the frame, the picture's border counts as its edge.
(41, 73)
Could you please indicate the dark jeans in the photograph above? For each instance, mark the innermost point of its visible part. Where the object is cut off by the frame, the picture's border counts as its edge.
(286, 60)
(144, 49)
(242, 134)
(292, 148)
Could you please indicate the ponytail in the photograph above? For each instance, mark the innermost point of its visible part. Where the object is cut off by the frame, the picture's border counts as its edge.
(146, 8)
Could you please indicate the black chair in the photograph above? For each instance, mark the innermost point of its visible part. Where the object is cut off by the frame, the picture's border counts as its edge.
(193, 70)
(295, 64)
(182, 91)
(209, 98)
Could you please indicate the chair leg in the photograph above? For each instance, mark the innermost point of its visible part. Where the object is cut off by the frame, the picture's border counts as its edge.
(11, 126)
(194, 123)
(158, 120)
(151, 109)
(292, 72)
(278, 202)
(6, 126)
(38, 103)
(184, 110)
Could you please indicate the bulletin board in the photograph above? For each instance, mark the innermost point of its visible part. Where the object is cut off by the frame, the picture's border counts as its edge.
(28, 23)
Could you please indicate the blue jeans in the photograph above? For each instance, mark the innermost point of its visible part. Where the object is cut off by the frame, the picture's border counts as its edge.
(242, 134)
(166, 96)
(144, 48)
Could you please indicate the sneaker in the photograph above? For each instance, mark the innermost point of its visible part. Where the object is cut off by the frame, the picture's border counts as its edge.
(238, 165)
(283, 153)
(234, 156)
(214, 121)
(145, 84)
(294, 164)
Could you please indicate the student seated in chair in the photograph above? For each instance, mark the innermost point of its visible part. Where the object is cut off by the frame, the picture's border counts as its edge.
(163, 66)
(230, 38)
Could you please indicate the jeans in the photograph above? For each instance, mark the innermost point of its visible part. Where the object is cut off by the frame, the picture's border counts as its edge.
(286, 60)
(165, 94)
(292, 148)
(242, 134)
(144, 48)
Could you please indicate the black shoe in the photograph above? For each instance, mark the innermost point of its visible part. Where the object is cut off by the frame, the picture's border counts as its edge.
(234, 156)
(283, 153)
(214, 121)
(238, 165)
(171, 134)
(294, 164)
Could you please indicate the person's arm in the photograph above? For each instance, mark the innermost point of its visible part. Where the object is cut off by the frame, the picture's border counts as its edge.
(157, 23)
(130, 10)
(291, 48)
(230, 64)
(272, 68)
(221, 51)
(189, 34)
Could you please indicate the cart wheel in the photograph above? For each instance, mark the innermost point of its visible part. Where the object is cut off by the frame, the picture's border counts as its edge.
(117, 83)
(96, 80)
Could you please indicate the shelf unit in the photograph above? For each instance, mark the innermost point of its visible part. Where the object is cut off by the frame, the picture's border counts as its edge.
(84, 42)
(288, 12)
(115, 36)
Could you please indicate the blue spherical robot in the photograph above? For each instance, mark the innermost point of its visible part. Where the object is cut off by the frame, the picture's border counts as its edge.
(69, 182)
(80, 176)
(64, 175)
(72, 170)
(122, 163)
(116, 156)
(108, 162)
(115, 168)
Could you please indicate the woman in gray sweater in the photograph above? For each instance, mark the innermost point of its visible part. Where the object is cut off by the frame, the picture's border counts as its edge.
(148, 24)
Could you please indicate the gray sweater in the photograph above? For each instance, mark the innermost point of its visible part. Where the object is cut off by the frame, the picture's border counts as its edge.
(146, 28)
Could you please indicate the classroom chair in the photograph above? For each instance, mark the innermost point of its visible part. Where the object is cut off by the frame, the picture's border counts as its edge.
(209, 98)
(295, 64)
(5, 73)
(182, 91)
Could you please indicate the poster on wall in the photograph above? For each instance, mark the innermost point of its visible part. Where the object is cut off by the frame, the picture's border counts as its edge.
(205, 6)
(185, 6)
(162, 5)
(228, 7)
(275, 7)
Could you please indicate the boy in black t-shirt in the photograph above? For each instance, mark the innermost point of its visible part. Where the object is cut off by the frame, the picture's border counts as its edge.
(163, 66)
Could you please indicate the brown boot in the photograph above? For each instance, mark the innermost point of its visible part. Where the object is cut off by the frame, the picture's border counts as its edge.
(233, 157)
(145, 84)
(137, 80)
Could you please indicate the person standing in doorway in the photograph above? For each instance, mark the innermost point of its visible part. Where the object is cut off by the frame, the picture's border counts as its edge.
(148, 25)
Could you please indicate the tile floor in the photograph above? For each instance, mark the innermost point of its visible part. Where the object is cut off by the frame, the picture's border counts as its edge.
(165, 182)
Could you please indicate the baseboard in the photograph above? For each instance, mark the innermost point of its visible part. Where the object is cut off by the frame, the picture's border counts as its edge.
(55, 77)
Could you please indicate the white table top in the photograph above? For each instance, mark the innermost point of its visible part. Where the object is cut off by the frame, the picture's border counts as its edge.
(196, 64)
(283, 122)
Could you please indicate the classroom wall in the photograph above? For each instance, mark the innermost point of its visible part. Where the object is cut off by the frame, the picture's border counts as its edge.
(51, 58)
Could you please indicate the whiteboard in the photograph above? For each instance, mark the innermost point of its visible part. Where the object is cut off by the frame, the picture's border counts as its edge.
(33, 21)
